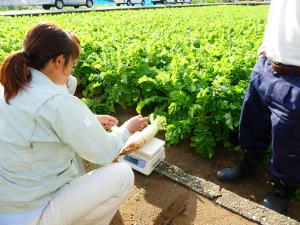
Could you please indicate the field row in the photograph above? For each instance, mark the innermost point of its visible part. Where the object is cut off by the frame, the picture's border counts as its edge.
(190, 65)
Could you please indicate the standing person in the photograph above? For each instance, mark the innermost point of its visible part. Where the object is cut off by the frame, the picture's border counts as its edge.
(43, 127)
(271, 108)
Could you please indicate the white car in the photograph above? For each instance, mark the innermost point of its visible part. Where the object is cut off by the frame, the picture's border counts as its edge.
(46, 4)
(129, 2)
(61, 3)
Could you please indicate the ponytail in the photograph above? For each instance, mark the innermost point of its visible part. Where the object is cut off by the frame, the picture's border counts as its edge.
(14, 74)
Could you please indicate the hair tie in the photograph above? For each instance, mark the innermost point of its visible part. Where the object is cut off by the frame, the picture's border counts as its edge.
(27, 56)
(25, 53)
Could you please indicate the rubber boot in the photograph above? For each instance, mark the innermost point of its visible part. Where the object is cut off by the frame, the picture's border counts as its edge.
(278, 199)
(246, 168)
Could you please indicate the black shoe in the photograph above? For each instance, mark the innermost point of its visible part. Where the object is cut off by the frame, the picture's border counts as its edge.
(278, 200)
(231, 174)
(246, 168)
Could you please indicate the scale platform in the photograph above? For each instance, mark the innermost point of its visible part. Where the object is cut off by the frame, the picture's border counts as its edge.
(146, 158)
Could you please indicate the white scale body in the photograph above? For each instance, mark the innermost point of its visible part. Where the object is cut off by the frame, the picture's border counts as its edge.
(146, 158)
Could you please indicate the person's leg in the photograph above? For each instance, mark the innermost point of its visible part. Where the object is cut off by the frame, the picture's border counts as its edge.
(255, 127)
(285, 160)
(91, 199)
(255, 121)
(103, 214)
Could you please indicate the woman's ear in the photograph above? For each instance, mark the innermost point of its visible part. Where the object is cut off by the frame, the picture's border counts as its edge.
(59, 61)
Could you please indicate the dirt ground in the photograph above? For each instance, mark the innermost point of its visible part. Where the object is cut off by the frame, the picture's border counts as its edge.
(156, 200)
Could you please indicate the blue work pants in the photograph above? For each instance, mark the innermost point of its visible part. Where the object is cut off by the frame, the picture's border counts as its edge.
(271, 116)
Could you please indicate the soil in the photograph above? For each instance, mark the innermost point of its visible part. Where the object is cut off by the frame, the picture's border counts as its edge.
(156, 200)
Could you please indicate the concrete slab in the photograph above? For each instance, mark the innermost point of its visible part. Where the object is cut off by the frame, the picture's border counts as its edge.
(199, 185)
(252, 210)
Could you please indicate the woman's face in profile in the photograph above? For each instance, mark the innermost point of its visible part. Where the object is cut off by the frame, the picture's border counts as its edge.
(68, 67)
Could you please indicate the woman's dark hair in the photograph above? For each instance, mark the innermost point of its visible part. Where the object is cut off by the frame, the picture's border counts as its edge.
(42, 43)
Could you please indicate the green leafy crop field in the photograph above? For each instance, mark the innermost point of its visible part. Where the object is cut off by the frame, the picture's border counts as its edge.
(190, 65)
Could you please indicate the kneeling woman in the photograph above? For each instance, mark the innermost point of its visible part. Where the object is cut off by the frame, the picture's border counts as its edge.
(42, 129)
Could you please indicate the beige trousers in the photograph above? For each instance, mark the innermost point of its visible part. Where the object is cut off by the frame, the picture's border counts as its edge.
(90, 199)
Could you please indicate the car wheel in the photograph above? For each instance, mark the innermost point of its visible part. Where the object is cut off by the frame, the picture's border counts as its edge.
(46, 7)
(59, 4)
(118, 4)
(89, 3)
(76, 6)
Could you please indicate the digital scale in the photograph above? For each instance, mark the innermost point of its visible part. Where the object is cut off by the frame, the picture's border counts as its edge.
(146, 158)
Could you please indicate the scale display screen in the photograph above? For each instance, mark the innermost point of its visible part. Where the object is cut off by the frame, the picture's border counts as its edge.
(136, 161)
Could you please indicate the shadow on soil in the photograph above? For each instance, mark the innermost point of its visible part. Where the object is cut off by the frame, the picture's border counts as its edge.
(178, 204)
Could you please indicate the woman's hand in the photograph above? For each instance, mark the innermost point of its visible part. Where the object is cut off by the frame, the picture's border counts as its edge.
(107, 121)
(136, 123)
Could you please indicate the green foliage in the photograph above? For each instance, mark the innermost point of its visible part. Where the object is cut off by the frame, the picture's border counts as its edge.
(160, 121)
(190, 65)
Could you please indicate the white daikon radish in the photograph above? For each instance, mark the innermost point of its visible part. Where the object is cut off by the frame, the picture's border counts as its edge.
(140, 138)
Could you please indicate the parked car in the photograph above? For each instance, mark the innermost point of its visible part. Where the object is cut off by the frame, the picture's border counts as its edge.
(47, 4)
(129, 2)
(154, 2)
(61, 3)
